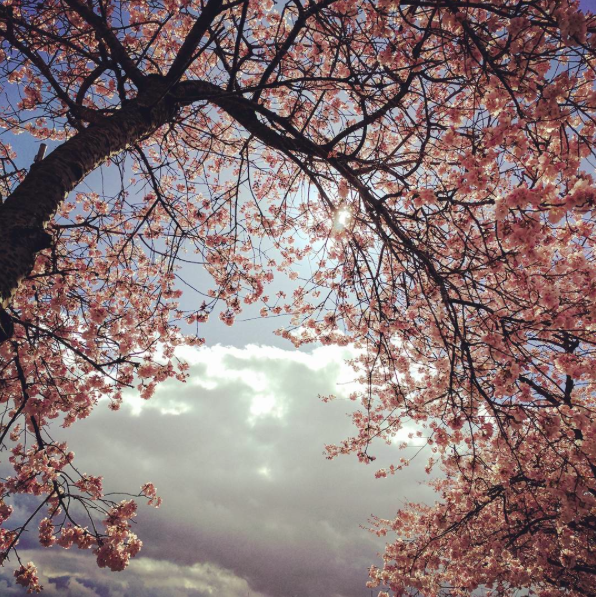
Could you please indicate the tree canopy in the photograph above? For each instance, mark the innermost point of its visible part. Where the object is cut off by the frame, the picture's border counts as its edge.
(430, 159)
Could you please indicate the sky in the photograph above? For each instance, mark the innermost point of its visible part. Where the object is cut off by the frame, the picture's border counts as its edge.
(251, 504)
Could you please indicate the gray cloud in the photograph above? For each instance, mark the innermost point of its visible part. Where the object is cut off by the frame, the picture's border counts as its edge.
(250, 502)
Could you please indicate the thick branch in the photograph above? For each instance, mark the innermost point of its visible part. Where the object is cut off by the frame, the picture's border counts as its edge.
(186, 53)
(245, 111)
(25, 214)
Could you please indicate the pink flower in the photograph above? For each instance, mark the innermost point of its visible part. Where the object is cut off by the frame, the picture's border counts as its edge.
(26, 576)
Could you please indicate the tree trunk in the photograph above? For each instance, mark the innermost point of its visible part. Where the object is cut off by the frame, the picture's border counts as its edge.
(28, 210)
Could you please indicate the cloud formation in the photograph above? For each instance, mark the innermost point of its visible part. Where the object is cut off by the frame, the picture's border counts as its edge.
(251, 505)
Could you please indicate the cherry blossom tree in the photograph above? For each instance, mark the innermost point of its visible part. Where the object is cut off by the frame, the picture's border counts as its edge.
(431, 159)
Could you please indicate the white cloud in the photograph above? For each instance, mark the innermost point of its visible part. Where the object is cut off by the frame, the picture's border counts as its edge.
(74, 574)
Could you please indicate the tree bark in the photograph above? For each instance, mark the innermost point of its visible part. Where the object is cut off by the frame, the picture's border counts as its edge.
(27, 211)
